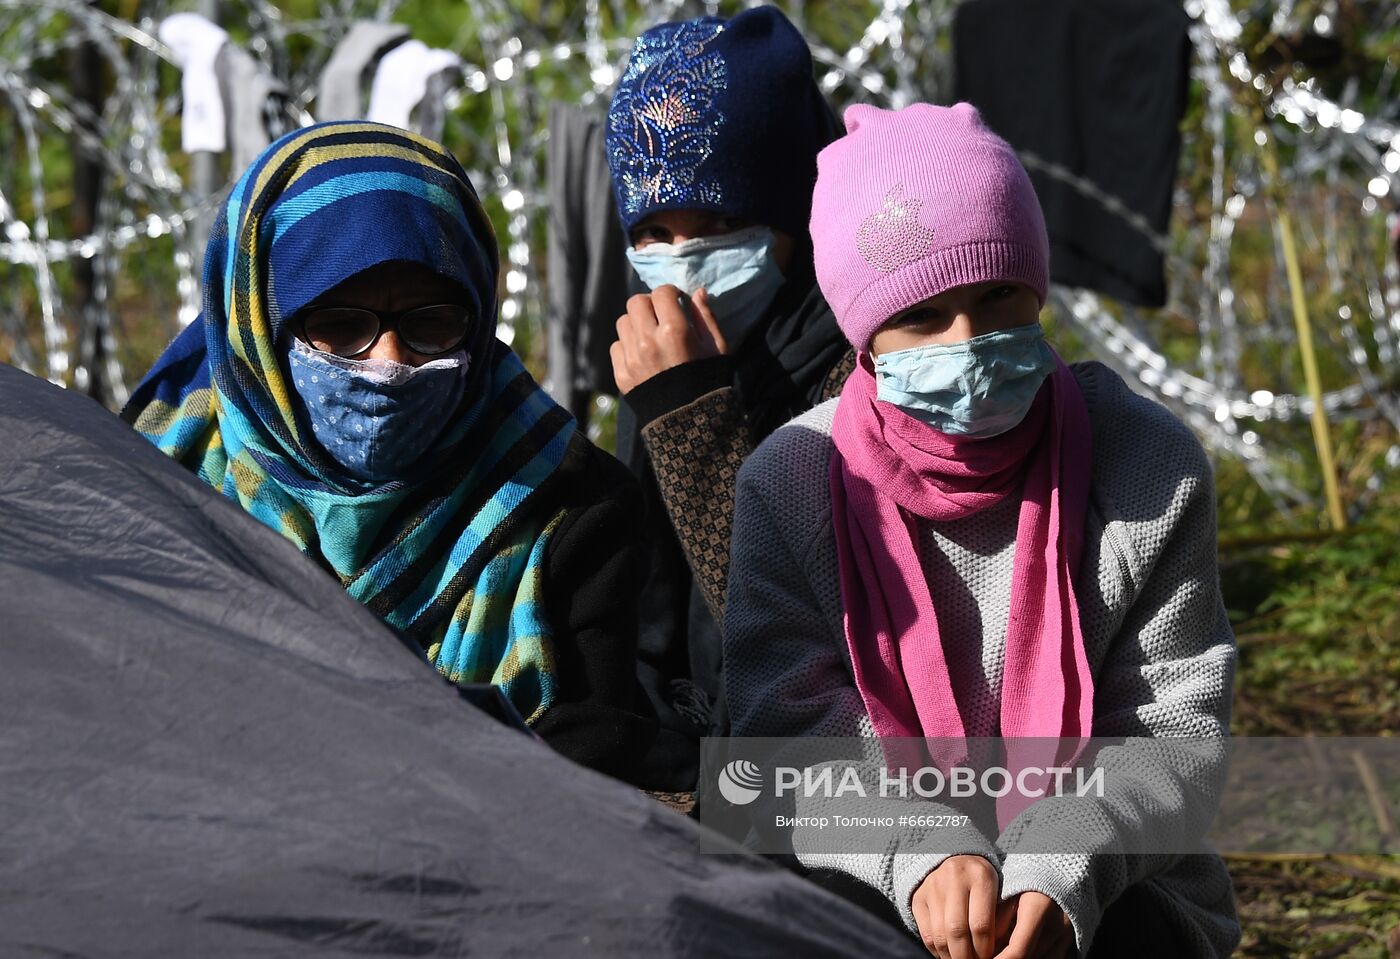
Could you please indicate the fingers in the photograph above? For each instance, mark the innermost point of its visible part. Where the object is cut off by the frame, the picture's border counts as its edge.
(671, 309)
(637, 354)
(635, 328)
(982, 917)
(622, 374)
(640, 319)
(636, 331)
(1023, 940)
(921, 906)
(1032, 909)
(970, 913)
(709, 325)
(955, 908)
(657, 333)
(955, 924)
(1006, 919)
(928, 916)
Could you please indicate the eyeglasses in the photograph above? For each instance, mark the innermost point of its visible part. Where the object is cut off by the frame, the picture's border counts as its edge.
(349, 330)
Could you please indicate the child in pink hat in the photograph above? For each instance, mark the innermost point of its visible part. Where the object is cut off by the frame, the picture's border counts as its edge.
(978, 540)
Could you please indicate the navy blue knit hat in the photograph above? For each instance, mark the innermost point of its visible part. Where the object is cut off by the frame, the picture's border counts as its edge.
(719, 115)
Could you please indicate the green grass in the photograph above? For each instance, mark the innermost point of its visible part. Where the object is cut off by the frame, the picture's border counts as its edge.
(1318, 624)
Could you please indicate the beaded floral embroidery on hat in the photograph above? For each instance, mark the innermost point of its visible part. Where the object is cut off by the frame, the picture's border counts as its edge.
(664, 118)
(892, 236)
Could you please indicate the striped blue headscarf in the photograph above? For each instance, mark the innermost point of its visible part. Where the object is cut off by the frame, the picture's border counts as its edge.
(450, 553)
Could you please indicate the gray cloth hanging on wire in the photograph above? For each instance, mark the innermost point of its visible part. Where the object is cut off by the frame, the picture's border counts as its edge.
(249, 93)
(587, 260)
(339, 93)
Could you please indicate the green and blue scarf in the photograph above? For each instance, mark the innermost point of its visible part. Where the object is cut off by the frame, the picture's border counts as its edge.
(452, 553)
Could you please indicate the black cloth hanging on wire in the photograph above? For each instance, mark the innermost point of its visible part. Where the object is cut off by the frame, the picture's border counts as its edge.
(587, 261)
(1098, 87)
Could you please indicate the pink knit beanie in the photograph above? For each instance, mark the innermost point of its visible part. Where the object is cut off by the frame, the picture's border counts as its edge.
(913, 202)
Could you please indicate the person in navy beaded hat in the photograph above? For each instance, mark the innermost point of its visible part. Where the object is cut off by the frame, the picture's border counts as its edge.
(712, 140)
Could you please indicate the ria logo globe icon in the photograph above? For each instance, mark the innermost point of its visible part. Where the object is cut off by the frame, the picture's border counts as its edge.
(740, 782)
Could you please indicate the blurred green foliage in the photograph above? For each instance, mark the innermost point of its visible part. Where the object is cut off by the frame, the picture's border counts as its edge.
(142, 281)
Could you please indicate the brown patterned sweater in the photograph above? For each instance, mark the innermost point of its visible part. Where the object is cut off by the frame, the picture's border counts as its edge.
(684, 433)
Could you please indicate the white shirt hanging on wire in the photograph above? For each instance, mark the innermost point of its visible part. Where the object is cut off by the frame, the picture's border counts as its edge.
(338, 89)
(195, 42)
(402, 78)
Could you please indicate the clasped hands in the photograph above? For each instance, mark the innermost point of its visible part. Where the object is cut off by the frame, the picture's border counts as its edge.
(959, 916)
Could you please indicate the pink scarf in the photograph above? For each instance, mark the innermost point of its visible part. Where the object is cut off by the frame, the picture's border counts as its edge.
(891, 470)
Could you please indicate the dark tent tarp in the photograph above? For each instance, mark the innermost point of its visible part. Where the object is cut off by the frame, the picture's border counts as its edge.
(207, 749)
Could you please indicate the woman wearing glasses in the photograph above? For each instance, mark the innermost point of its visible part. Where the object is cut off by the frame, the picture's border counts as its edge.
(345, 386)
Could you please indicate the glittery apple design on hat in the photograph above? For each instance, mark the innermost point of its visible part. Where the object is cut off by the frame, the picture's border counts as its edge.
(893, 237)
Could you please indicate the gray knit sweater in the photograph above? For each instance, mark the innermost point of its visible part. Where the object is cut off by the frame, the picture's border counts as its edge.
(1155, 630)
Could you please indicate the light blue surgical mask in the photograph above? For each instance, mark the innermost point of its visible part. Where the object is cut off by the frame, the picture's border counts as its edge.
(980, 387)
(736, 269)
(376, 417)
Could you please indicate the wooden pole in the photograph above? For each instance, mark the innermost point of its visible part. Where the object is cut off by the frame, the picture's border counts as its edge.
(1322, 434)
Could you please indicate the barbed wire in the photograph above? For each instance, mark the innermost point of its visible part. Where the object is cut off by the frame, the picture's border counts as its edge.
(899, 56)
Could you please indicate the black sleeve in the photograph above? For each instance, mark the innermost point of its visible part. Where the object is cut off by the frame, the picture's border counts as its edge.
(592, 577)
(679, 386)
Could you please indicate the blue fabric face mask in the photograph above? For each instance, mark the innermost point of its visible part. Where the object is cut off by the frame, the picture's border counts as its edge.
(736, 269)
(979, 387)
(376, 417)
